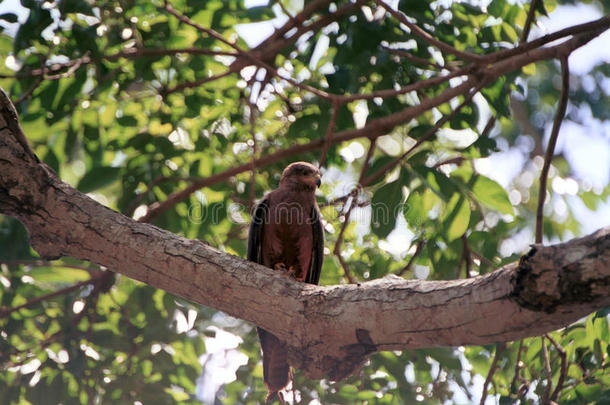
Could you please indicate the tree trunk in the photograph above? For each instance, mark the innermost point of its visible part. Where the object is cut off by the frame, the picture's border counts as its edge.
(329, 330)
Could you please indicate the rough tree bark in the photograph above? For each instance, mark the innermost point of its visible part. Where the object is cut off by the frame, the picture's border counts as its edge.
(329, 330)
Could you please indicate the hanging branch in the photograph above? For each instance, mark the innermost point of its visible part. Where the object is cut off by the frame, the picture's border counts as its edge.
(531, 14)
(494, 364)
(418, 248)
(513, 383)
(252, 119)
(548, 157)
(329, 131)
(347, 215)
(548, 371)
(466, 257)
(564, 367)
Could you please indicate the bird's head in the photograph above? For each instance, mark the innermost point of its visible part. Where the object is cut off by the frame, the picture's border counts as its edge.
(301, 175)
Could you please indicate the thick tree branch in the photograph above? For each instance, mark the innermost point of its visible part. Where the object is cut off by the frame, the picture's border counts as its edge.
(328, 330)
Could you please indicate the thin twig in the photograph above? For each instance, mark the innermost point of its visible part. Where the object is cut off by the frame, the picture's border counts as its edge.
(431, 132)
(70, 72)
(131, 207)
(197, 83)
(418, 249)
(252, 195)
(594, 27)
(489, 126)
(329, 132)
(273, 45)
(4, 312)
(39, 80)
(367, 158)
(466, 256)
(550, 150)
(253, 56)
(482, 258)
(456, 160)
(492, 369)
(210, 32)
(348, 214)
(415, 59)
(531, 14)
(548, 371)
(390, 165)
(419, 85)
(54, 71)
(148, 52)
(427, 37)
(563, 370)
(29, 92)
(339, 241)
(287, 13)
(346, 271)
(517, 368)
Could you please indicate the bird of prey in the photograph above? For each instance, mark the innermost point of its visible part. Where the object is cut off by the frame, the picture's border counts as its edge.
(286, 234)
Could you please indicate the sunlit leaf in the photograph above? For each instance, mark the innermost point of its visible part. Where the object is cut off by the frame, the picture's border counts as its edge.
(492, 194)
(456, 217)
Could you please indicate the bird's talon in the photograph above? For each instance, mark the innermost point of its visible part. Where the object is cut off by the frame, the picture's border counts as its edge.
(281, 267)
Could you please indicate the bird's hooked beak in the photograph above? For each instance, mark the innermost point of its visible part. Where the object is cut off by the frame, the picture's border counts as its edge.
(313, 180)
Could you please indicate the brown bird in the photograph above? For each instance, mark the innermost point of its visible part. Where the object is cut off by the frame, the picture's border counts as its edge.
(286, 234)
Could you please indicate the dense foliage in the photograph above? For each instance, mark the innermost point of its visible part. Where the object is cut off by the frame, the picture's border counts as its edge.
(137, 101)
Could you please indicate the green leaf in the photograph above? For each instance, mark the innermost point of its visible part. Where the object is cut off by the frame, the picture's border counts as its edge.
(58, 274)
(436, 181)
(9, 17)
(385, 206)
(418, 205)
(492, 194)
(457, 217)
(98, 177)
(307, 125)
(414, 209)
(376, 165)
(530, 69)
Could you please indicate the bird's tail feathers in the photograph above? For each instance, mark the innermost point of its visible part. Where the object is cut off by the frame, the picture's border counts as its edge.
(276, 370)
